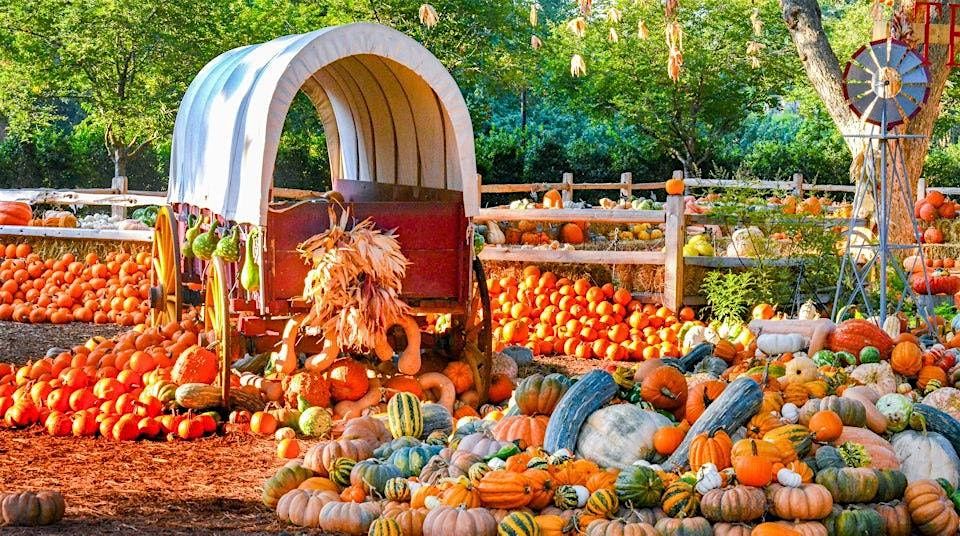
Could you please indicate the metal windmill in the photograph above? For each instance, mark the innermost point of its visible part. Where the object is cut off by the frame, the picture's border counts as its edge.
(885, 83)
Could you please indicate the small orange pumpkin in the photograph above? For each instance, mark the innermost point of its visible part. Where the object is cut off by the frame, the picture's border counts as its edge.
(907, 359)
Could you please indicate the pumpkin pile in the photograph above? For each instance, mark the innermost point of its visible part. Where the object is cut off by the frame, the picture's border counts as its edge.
(556, 315)
(855, 439)
(36, 290)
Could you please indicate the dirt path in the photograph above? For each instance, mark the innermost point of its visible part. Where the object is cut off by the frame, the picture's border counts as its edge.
(22, 342)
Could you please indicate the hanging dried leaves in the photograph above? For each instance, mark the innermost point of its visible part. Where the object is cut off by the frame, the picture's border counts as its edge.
(753, 53)
(756, 22)
(535, 42)
(429, 16)
(642, 31)
(578, 67)
(613, 36)
(355, 281)
(578, 27)
(614, 15)
(585, 7)
(675, 50)
(670, 9)
(534, 15)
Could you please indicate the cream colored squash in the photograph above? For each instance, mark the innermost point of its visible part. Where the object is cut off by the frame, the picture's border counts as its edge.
(619, 435)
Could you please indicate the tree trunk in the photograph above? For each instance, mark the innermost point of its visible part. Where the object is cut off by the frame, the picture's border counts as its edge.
(803, 20)
(120, 157)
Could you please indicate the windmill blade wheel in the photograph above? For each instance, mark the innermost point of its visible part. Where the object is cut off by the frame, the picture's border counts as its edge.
(165, 298)
(216, 318)
(478, 351)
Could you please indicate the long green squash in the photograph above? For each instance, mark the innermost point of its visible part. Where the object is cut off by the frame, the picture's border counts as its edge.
(587, 395)
(940, 422)
(731, 410)
(688, 362)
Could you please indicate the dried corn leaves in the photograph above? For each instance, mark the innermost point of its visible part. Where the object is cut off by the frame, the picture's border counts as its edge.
(355, 281)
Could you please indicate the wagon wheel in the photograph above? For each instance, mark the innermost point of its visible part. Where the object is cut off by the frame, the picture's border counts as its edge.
(165, 299)
(479, 357)
(216, 318)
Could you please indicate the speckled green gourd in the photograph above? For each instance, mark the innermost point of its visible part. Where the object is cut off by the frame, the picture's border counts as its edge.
(228, 248)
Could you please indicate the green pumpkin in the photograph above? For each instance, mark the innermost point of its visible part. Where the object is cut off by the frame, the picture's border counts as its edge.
(397, 489)
(891, 485)
(566, 497)
(680, 500)
(404, 415)
(206, 243)
(410, 460)
(639, 487)
(228, 248)
(250, 273)
(825, 358)
(859, 522)
(284, 480)
(385, 450)
(373, 475)
(340, 471)
(436, 418)
(870, 354)
(518, 524)
(849, 484)
(845, 359)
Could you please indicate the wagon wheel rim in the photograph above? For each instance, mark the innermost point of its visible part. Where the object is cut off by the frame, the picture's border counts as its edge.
(216, 318)
(165, 298)
(483, 327)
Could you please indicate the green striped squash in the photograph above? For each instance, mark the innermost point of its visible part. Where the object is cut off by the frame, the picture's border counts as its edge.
(538, 463)
(340, 471)
(410, 460)
(477, 470)
(385, 526)
(436, 437)
(404, 415)
(518, 524)
(568, 497)
(638, 486)
(603, 502)
(397, 490)
(680, 500)
(891, 485)
(798, 435)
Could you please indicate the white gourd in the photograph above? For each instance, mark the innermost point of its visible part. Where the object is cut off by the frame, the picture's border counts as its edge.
(808, 311)
(432, 502)
(497, 463)
(777, 343)
(694, 336)
(926, 456)
(284, 433)
(494, 234)
(582, 495)
(790, 413)
(789, 478)
(708, 478)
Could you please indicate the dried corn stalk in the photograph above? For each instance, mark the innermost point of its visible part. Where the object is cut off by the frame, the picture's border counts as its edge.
(578, 26)
(675, 49)
(534, 15)
(613, 36)
(429, 16)
(535, 42)
(753, 53)
(585, 6)
(756, 22)
(642, 31)
(614, 15)
(578, 67)
(355, 281)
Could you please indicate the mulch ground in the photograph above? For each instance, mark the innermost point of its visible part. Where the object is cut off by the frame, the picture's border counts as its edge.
(209, 486)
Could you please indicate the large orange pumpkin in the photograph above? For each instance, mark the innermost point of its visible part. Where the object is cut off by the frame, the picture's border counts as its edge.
(528, 430)
(907, 359)
(195, 365)
(852, 335)
(348, 380)
(15, 213)
(571, 233)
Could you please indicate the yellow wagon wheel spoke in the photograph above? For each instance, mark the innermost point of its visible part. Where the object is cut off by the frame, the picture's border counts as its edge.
(165, 299)
(216, 318)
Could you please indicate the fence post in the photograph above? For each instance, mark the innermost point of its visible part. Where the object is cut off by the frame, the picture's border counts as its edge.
(567, 193)
(119, 186)
(674, 237)
(921, 188)
(798, 184)
(626, 179)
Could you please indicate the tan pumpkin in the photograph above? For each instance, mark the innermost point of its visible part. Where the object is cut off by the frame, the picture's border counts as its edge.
(735, 503)
(302, 507)
(615, 527)
(931, 512)
(319, 458)
(410, 519)
(806, 503)
(896, 518)
(348, 517)
(443, 521)
(31, 509)
(527, 430)
(803, 528)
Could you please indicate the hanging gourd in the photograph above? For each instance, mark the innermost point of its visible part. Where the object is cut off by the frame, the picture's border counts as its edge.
(614, 15)
(228, 248)
(186, 248)
(206, 243)
(585, 6)
(613, 36)
(535, 42)
(534, 15)
(250, 273)
(642, 31)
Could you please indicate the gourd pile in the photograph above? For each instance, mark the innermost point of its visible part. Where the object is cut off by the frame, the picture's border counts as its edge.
(555, 315)
(857, 439)
(114, 289)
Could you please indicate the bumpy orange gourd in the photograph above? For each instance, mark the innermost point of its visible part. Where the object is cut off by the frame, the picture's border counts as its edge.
(711, 448)
(907, 359)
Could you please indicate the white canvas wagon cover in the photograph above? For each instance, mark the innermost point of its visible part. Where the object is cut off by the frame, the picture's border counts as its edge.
(391, 112)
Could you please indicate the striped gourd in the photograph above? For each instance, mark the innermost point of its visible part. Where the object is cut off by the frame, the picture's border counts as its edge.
(603, 502)
(798, 435)
(538, 463)
(340, 471)
(569, 497)
(518, 524)
(385, 526)
(397, 489)
(560, 457)
(404, 415)
(680, 500)
(436, 437)
(477, 470)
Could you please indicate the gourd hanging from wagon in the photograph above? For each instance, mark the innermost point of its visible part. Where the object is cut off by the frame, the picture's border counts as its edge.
(401, 151)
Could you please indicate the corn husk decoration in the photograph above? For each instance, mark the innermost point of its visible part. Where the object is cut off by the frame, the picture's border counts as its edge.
(578, 67)
(613, 36)
(675, 48)
(756, 22)
(429, 16)
(578, 26)
(534, 15)
(585, 6)
(614, 15)
(535, 42)
(355, 282)
(753, 53)
(642, 31)
(670, 9)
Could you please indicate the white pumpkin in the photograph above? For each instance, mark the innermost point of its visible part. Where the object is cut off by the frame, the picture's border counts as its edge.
(877, 375)
(946, 399)
(582, 495)
(926, 456)
(777, 344)
(708, 478)
(496, 463)
(284, 433)
(788, 478)
(494, 234)
(504, 364)
(694, 336)
(808, 311)
(618, 435)
(799, 370)
(789, 413)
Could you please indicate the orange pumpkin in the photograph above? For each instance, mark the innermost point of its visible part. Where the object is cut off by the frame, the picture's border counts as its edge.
(931, 373)
(195, 365)
(710, 448)
(701, 396)
(571, 233)
(907, 359)
(667, 439)
(15, 213)
(527, 430)
(460, 374)
(552, 199)
(665, 388)
(826, 425)
(675, 187)
(852, 335)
